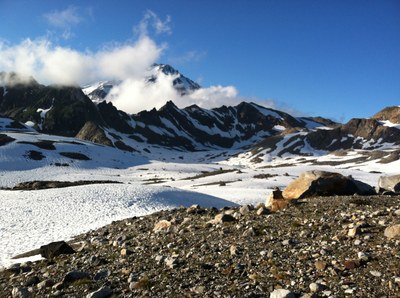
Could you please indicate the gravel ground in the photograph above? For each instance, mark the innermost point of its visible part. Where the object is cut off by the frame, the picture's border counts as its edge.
(317, 247)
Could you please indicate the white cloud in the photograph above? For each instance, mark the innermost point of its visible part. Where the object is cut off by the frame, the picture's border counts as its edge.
(61, 65)
(151, 20)
(135, 95)
(64, 18)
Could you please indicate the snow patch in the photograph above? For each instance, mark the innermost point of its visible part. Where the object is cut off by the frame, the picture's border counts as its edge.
(390, 124)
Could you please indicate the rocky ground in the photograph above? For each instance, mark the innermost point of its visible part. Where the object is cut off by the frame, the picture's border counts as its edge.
(318, 247)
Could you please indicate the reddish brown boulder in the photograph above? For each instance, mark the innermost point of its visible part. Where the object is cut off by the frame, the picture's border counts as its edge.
(320, 183)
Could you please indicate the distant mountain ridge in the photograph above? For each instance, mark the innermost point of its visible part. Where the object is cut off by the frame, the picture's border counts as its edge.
(67, 111)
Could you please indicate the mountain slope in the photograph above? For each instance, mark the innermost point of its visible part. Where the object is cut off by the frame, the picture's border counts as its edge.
(265, 132)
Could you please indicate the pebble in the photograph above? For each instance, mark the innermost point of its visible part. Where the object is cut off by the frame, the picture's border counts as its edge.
(314, 287)
(362, 256)
(375, 273)
(320, 265)
(282, 293)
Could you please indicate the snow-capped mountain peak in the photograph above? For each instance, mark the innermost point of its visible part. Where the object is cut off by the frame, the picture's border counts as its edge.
(98, 91)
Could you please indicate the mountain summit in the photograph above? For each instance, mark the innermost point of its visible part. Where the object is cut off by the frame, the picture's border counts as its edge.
(98, 91)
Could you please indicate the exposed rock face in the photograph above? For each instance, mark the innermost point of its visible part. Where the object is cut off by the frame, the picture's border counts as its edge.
(353, 134)
(389, 183)
(391, 114)
(94, 133)
(54, 109)
(320, 183)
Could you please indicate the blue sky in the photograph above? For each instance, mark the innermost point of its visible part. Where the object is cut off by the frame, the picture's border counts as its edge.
(337, 59)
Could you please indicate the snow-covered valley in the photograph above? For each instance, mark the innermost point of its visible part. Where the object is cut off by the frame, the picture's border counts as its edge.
(164, 179)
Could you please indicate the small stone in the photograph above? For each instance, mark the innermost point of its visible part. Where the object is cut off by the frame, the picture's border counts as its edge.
(245, 209)
(233, 250)
(101, 274)
(20, 292)
(282, 293)
(198, 289)
(31, 281)
(354, 232)
(375, 273)
(357, 242)
(162, 225)
(171, 262)
(392, 232)
(314, 287)
(74, 276)
(126, 252)
(262, 211)
(349, 291)
(193, 209)
(103, 292)
(222, 218)
(45, 284)
(320, 265)
(350, 264)
(249, 232)
(58, 286)
(362, 256)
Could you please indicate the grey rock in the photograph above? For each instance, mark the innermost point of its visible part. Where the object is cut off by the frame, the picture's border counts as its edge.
(222, 218)
(74, 276)
(392, 232)
(101, 274)
(103, 292)
(55, 249)
(389, 183)
(31, 281)
(20, 292)
(282, 293)
(45, 284)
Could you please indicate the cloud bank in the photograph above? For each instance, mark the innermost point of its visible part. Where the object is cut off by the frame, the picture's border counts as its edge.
(128, 62)
(52, 64)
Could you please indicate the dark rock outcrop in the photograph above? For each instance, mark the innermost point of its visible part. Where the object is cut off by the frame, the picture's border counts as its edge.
(55, 249)
(391, 114)
(94, 133)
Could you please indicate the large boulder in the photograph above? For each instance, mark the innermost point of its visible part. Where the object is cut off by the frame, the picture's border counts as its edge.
(321, 183)
(389, 183)
(55, 249)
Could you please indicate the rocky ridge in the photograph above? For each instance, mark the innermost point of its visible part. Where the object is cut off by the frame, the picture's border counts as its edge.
(316, 247)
